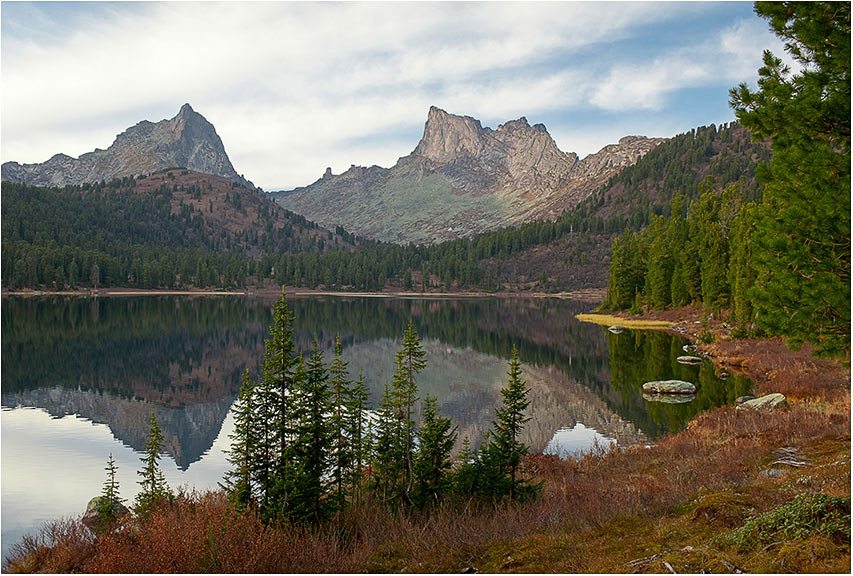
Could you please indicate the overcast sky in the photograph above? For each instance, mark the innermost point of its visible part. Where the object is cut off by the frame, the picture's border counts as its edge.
(295, 87)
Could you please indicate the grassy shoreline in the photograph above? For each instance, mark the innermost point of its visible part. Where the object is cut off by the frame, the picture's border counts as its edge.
(592, 295)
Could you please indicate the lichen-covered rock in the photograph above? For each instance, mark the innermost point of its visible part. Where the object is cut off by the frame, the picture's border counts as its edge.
(669, 398)
(97, 519)
(769, 402)
(669, 387)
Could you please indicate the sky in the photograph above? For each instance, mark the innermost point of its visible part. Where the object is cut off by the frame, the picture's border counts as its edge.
(295, 87)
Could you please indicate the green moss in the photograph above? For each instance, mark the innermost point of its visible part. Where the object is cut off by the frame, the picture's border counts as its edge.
(805, 516)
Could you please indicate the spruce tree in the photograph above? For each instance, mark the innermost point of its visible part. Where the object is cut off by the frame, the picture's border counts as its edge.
(154, 487)
(307, 501)
(504, 452)
(410, 361)
(111, 498)
(238, 481)
(341, 449)
(437, 435)
(359, 434)
(505, 449)
(802, 240)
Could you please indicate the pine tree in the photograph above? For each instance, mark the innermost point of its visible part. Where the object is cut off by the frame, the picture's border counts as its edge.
(342, 457)
(410, 361)
(154, 487)
(307, 501)
(238, 481)
(437, 435)
(505, 450)
(388, 448)
(111, 500)
(802, 240)
(359, 435)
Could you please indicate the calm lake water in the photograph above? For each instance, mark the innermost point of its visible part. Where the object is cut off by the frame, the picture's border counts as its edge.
(81, 376)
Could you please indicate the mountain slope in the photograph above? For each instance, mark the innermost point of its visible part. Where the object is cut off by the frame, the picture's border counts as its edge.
(187, 141)
(461, 179)
(172, 228)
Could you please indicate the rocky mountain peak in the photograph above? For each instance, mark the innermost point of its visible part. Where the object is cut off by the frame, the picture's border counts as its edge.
(448, 137)
(187, 141)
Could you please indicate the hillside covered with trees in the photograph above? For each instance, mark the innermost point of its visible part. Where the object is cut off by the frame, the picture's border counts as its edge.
(780, 262)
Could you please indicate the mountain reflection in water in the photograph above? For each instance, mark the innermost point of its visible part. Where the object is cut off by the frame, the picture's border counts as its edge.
(115, 360)
(81, 377)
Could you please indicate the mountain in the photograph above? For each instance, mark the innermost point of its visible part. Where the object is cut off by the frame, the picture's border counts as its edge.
(186, 141)
(169, 229)
(462, 179)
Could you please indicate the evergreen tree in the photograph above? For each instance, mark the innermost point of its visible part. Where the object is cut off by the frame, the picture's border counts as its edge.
(802, 240)
(410, 361)
(238, 481)
(111, 499)
(505, 450)
(154, 487)
(388, 448)
(308, 499)
(437, 436)
(358, 434)
(342, 451)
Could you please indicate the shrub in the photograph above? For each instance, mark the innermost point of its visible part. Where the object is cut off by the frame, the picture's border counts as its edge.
(804, 516)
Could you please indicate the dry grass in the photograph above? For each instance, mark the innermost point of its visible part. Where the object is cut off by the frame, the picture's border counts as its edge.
(608, 320)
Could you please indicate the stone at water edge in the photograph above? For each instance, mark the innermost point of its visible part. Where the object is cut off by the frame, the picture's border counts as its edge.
(94, 520)
(669, 398)
(669, 387)
(769, 402)
(688, 360)
(616, 329)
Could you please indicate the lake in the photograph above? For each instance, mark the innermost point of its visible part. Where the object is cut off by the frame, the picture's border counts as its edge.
(81, 377)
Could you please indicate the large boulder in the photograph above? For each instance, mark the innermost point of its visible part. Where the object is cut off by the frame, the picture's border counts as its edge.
(669, 398)
(99, 515)
(768, 403)
(669, 387)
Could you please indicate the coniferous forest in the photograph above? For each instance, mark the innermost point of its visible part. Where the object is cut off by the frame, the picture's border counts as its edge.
(781, 262)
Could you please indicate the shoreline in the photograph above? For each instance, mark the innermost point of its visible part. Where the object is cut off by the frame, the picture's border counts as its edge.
(591, 295)
(767, 362)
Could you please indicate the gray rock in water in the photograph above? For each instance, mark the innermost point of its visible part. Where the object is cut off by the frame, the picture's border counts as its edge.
(690, 348)
(94, 519)
(688, 360)
(769, 402)
(669, 387)
(616, 329)
(669, 398)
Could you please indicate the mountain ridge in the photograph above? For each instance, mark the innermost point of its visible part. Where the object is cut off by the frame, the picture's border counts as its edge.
(461, 179)
(187, 140)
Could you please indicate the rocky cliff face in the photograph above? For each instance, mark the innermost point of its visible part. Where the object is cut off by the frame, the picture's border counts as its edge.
(462, 179)
(186, 141)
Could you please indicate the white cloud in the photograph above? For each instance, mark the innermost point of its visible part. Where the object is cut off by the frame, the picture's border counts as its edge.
(289, 86)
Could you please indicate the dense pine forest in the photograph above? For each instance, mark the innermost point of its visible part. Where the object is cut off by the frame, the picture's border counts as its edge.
(780, 262)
